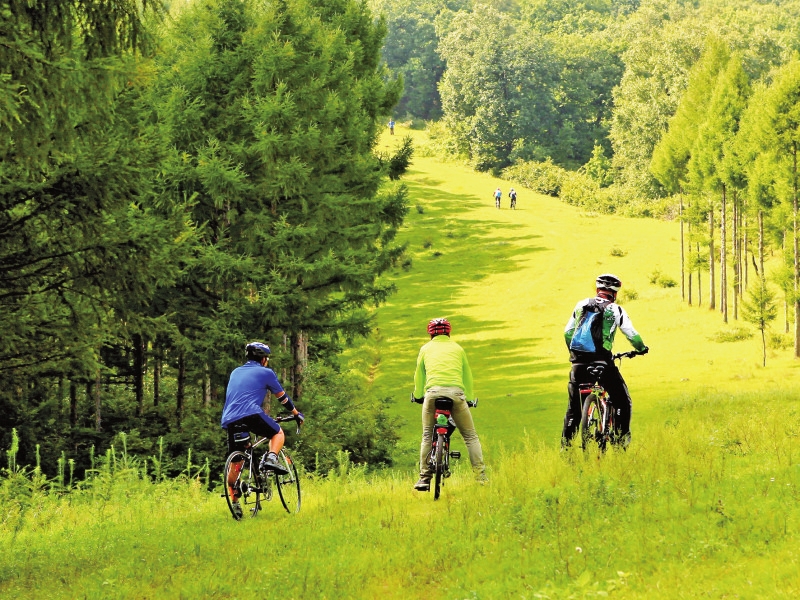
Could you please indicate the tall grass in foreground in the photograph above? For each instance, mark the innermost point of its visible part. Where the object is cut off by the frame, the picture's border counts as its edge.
(703, 504)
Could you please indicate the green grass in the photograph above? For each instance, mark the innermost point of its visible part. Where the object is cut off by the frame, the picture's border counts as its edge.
(704, 503)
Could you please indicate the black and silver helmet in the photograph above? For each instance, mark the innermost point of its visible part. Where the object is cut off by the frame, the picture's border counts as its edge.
(607, 281)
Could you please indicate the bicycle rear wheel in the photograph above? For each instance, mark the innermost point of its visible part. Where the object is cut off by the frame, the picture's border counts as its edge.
(245, 486)
(288, 484)
(438, 466)
(591, 424)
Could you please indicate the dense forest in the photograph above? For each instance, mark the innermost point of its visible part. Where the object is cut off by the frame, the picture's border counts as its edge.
(178, 180)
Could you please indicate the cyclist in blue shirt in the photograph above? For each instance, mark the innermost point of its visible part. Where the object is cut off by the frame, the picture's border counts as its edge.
(247, 387)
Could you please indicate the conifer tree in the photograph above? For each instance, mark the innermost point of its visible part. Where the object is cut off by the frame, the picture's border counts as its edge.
(274, 110)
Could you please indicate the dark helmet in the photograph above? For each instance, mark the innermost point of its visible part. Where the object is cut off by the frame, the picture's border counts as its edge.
(608, 281)
(439, 327)
(256, 351)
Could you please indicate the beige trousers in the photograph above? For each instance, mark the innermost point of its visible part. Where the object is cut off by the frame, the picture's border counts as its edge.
(463, 419)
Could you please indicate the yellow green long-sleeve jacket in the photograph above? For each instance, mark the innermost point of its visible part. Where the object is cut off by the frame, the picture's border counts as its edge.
(442, 362)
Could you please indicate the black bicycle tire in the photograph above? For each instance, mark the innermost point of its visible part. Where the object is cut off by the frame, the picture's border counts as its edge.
(289, 484)
(438, 463)
(589, 430)
(250, 478)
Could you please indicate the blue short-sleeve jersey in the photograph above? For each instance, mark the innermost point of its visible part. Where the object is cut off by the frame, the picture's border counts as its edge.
(247, 387)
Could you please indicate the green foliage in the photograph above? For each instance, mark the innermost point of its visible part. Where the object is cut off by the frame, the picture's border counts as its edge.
(628, 294)
(665, 281)
(398, 163)
(598, 168)
(512, 93)
(618, 252)
(760, 309)
(542, 177)
(342, 417)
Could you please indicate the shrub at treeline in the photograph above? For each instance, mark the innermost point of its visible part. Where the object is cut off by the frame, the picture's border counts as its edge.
(172, 186)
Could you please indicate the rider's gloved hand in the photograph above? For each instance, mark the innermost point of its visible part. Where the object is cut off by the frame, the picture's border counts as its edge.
(300, 418)
(645, 350)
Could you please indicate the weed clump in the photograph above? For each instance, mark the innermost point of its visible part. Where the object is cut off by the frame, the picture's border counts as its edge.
(619, 252)
(420, 209)
(628, 294)
(736, 334)
(661, 280)
(780, 341)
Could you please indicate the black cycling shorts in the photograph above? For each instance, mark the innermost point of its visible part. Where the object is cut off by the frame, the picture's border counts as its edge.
(261, 424)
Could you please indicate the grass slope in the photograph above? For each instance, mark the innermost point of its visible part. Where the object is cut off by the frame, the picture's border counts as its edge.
(508, 281)
(704, 504)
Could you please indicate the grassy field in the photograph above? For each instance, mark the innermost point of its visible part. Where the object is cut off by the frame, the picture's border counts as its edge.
(704, 504)
(508, 281)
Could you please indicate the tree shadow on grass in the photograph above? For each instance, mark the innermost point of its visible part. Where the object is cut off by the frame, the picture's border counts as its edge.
(452, 248)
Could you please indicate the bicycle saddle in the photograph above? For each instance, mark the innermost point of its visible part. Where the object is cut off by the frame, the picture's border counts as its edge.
(442, 403)
(596, 371)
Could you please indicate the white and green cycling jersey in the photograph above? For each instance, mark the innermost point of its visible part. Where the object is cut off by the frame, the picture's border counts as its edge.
(613, 318)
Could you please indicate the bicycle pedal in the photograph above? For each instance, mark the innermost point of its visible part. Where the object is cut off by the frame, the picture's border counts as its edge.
(455, 454)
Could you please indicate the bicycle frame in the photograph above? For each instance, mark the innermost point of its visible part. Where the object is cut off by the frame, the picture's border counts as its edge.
(601, 426)
(443, 427)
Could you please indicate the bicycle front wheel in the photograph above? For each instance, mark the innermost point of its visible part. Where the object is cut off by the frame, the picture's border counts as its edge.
(242, 487)
(288, 484)
(591, 424)
(438, 465)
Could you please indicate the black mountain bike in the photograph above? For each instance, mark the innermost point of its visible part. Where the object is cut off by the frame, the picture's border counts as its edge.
(440, 454)
(254, 481)
(597, 414)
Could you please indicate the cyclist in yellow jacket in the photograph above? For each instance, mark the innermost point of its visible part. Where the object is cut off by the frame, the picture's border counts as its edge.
(443, 371)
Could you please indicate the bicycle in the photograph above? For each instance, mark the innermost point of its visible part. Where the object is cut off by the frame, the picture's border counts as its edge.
(597, 414)
(440, 454)
(254, 480)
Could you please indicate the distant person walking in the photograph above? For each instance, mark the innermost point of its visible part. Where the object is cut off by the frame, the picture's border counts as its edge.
(497, 195)
(391, 126)
(513, 195)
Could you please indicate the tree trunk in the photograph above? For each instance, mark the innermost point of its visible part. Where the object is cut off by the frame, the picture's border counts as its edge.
(157, 374)
(735, 250)
(761, 245)
(98, 418)
(796, 254)
(723, 258)
(207, 386)
(712, 303)
(300, 356)
(699, 280)
(744, 249)
(73, 404)
(180, 395)
(138, 373)
(691, 262)
(683, 258)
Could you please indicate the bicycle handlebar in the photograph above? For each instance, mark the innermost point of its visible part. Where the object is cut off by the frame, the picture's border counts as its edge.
(630, 354)
(470, 403)
(286, 419)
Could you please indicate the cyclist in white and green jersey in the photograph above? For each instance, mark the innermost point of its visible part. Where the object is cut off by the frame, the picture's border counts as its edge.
(443, 371)
(590, 335)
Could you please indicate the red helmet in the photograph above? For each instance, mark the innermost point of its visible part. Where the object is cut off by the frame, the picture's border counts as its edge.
(439, 327)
